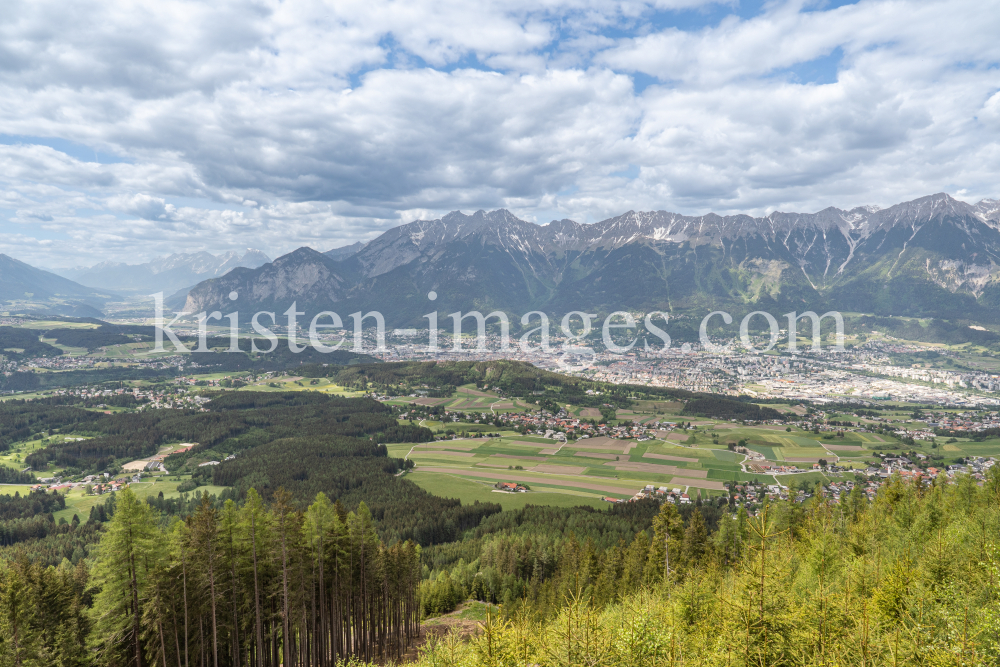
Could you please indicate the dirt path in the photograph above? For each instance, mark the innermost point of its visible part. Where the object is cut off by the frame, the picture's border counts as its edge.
(438, 627)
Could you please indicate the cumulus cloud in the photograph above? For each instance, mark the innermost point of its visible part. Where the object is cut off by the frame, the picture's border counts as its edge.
(143, 206)
(278, 124)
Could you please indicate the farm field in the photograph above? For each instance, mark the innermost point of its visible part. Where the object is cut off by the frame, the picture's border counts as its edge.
(469, 490)
(591, 467)
(697, 459)
(77, 502)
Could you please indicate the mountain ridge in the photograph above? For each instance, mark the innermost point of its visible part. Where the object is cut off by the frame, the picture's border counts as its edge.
(936, 249)
(38, 289)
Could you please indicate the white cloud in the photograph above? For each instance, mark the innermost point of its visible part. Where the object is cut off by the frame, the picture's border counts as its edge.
(279, 124)
(143, 206)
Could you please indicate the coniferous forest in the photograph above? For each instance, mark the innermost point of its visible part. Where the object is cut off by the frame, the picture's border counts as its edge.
(319, 553)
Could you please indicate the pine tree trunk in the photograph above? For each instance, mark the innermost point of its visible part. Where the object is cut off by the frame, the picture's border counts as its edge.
(163, 644)
(256, 593)
(215, 626)
(187, 659)
(284, 598)
(134, 584)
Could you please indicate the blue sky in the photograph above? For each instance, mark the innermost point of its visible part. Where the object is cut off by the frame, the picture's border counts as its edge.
(133, 131)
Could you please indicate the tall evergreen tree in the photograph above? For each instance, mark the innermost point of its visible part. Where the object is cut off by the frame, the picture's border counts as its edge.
(122, 574)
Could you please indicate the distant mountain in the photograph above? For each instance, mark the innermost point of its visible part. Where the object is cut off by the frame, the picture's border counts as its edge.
(166, 274)
(41, 291)
(934, 256)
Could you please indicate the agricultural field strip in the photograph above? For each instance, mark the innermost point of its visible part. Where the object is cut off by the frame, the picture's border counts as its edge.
(608, 488)
(668, 457)
(444, 444)
(521, 443)
(546, 478)
(553, 466)
(429, 401)
(657, 469)
(555, 469)
(599, 448)
(522, 457)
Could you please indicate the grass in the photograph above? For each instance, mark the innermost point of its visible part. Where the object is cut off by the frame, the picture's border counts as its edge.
(469, 491)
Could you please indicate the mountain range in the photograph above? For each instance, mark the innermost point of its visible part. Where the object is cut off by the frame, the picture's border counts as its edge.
(35, 289)
(163, 274)
(931, 257)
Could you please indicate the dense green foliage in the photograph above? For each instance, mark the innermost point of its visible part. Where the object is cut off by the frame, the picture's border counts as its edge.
(533, 556)
(19, 420)
(10, 475)
(911, 579)
(510, 378)
(235, 421)
(103, 336)
(305, 442)
(724, 408)
(251, 585)
(19, 381)
(33, 504)
(352, 471)
(27, 527)
(43, 613)
(24, 343)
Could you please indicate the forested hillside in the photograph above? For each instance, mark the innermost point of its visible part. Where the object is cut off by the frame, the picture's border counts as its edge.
(246, 585)
(28, 529)
(910, 579)
(305, 442)
(24, 344)
(234, 421)
(318, 551)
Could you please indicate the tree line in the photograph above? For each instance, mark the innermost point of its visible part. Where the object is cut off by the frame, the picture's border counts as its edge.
(352, 471)
(231, 415)
(724, 408)
(257, 585)
(912, 578)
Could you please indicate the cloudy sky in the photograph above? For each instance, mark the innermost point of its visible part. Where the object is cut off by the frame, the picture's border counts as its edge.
(135, 129)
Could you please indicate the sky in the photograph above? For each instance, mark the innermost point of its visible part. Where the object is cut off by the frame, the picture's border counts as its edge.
(130, 130)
